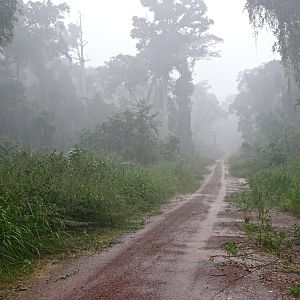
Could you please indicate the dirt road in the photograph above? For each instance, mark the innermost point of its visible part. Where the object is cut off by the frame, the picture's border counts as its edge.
(179, 255)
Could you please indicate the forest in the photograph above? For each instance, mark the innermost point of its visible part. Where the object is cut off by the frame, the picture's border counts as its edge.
(85, 148)
(87, 152)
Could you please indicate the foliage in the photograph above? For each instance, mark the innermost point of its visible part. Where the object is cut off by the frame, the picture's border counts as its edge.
(269, 122)
(133, 135)
(8, 9)
(174, 39)
(283, 17)
(46, 196)
(40, 103)
(294, 291)
(20, 120)
(205, 115)
(46, 98)
(231, 248)
(123, 79)
(261, 231)
(273, 172)
(265, 103)
(177, 31)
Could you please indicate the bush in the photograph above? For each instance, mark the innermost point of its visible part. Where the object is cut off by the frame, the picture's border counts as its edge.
(133, 135)
(273, 172)
(44, 196)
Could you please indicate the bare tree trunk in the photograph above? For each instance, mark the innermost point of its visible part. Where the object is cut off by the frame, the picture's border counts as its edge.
(82, 59)
(151, 88)
(164, 106)
(184, 93)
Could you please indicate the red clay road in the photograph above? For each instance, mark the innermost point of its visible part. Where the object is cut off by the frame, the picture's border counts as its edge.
(169, 259)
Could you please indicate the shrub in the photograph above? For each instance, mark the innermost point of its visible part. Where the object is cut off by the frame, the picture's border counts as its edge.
(44, 196)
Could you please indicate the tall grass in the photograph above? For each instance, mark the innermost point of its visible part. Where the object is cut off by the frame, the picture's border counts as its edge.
(274, 177)
(43, 196)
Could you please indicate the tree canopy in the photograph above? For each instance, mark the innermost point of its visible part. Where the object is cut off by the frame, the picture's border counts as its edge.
(174, 38)
(264, 103)
(8, 19)
(283, 17)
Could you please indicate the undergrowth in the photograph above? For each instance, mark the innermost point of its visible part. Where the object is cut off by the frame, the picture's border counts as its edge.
(273, 173)
(48, 200)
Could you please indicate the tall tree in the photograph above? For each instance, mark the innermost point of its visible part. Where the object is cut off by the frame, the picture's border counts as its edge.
(123, 80)
(263, 103)
(132, 134)
(174, 38)
(8, 19)
(39, 36)
(283, 17)
(37, 58)
(77, 48)
(206, 113)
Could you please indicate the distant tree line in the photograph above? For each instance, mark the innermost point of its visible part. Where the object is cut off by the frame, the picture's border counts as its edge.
(268, 98)
(266, 104)
(48, 95)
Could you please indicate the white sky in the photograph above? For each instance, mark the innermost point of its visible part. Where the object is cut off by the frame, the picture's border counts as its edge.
(107, 25)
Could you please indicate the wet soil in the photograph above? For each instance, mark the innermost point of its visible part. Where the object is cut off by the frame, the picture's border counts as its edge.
(178, 255)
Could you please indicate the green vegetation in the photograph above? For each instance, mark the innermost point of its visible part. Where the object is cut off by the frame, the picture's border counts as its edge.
(231, 249)
(294, 291)
(8, 9)
(269, 159)
(282, 18)
(273, 174)
(44, 197)
(132, 134)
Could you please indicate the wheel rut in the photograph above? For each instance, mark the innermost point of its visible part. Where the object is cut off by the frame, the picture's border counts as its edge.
(179, 255)
(163, 263)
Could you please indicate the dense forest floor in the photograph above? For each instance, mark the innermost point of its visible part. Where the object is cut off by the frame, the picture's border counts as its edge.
(199, 248)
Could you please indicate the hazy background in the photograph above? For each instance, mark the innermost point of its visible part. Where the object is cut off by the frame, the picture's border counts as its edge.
(107, 25)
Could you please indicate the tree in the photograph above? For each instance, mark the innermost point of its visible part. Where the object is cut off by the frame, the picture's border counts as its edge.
(21, 120)
(264, 103)
(131, 134)
(174, 39)
(8, 19)
(11, 96)
(77, 47)
(206, 113)
(283, 17)
(123, 80)
(39, 37)
(38, 58)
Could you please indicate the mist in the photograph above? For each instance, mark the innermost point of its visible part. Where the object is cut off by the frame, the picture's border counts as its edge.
(112, 112)
(237, 54)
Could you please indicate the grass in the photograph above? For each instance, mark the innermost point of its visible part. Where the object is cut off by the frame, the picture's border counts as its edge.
(231, 248)
(52, 204)
(259, 227)
(294, 291)
(273, 172)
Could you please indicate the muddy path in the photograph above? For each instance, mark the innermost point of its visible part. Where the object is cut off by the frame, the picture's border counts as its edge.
(179, 255)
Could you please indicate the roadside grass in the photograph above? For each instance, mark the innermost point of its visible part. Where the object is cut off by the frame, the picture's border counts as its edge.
(282, 244)
(294, 291)
(52, 205)
(273, 184)
(259, 228)
(65, 250)
(231, 248)
(273, 174)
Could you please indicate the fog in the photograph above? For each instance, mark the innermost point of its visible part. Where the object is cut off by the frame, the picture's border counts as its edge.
(208, 76)
(111, 110)
(108, 31)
